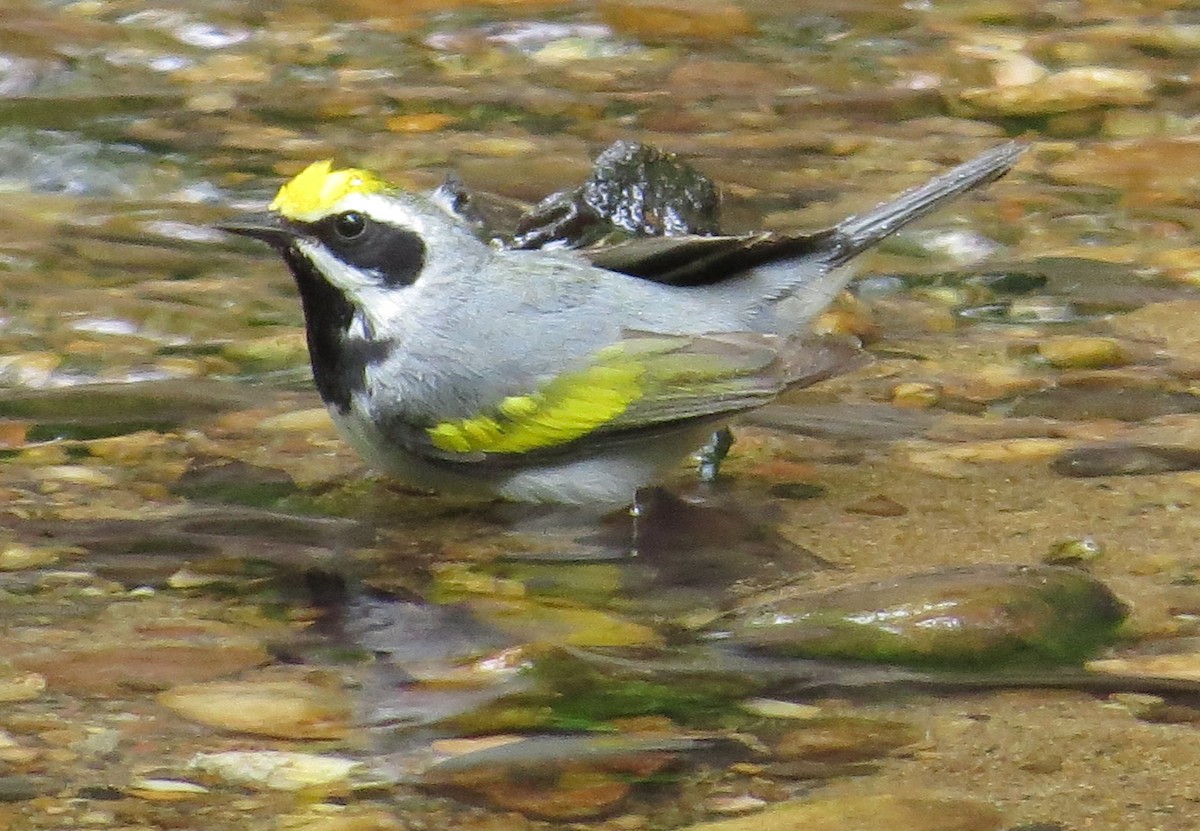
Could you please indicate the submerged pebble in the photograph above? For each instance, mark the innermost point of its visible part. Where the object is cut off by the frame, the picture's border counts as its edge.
(1120, 459)
(18, 557)
(1071, 352)
(1071, 90)
(1092, 403)
(284, 709)
(842, 739)
(21, 686)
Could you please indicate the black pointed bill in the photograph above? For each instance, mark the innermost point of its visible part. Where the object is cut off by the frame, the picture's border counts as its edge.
(269, 227)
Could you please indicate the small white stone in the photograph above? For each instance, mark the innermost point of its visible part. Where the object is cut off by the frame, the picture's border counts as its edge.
(275, 770)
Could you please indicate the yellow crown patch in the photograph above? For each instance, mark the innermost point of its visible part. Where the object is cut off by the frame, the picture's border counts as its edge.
(316, 189)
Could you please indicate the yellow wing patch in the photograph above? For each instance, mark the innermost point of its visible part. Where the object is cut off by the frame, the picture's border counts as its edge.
(640, 381)
(313, 192)
(569, 407)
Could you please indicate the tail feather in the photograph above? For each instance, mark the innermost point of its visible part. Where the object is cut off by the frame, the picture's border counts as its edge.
(858, 233)
(794, 290)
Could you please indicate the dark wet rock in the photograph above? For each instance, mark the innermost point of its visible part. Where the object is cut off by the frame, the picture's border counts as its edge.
(849, 422)
(1085, 403)
(960, 618)
(100, 792)
(634, 190)
(1125, 460)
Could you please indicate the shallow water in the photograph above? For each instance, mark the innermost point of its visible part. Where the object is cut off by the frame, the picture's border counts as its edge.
(178, 513)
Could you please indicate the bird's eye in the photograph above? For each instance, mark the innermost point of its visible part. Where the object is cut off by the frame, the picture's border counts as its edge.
(349, 225)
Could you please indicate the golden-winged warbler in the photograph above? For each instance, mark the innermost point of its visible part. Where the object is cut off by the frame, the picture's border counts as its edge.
(553, 376)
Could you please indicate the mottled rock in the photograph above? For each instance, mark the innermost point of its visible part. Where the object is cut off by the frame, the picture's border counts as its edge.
(968, 617)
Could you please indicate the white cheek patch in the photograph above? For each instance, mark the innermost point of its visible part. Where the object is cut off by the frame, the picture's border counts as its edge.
(380, 310)
(341, 276)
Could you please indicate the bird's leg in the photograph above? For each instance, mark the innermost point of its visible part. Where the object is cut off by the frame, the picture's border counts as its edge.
(712, 454)
(636, 511)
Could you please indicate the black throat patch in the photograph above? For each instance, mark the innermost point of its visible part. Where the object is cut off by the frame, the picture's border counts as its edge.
(339, 362)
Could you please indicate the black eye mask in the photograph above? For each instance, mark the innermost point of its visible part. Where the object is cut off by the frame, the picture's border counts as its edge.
(396, 255)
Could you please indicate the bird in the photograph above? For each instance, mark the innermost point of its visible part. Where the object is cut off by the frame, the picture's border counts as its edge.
(554, 376)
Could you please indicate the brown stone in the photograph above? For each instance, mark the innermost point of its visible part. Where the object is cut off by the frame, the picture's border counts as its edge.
(111, 670)
(664, 20)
